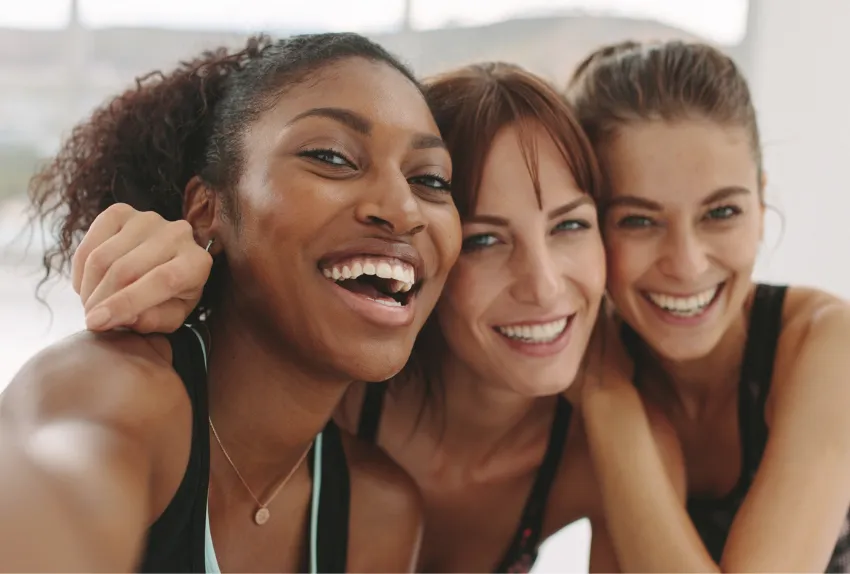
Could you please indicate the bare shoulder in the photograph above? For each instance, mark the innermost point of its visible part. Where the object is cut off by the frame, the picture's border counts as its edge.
(811, 355)
(118, 378)
(805, 305)
(809, 314)
(386, 508)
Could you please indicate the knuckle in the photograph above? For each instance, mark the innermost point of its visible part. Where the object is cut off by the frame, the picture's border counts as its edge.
(122, 274)
(98, 261)
(118, 211)
(171, 277)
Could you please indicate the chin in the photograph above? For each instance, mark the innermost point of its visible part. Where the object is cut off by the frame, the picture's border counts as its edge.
(682, 349)
(547, 382)
(378, 362)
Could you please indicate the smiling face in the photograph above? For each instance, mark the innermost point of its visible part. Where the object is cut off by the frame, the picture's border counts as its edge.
(682, 231)
(346, 229)
(521, 301)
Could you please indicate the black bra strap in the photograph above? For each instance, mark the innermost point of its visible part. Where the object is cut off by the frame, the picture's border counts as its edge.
(527, 537)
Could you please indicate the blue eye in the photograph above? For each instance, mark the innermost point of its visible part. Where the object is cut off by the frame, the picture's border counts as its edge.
(476, 242)
(572, 225)
(328, 156)
(635, 222)
(723, 212)
(432, 181)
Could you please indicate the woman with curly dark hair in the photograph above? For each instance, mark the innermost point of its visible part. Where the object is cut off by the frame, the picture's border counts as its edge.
(287, 159)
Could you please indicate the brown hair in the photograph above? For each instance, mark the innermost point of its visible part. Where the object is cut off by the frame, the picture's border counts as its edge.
(630, 81)
(471, 106)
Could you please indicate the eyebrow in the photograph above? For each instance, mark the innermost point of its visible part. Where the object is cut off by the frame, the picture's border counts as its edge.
(363, 125)
(348, 118)
(640, 202)
(557, 212)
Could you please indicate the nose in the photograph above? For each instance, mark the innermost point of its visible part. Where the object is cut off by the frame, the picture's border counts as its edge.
(392, 205)
(685, 256)
(539, 280)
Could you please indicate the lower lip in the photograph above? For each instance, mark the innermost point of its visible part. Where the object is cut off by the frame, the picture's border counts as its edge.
(374, 312)
(541, 349)
(692, 321)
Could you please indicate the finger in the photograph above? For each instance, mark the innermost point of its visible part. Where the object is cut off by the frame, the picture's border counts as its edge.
(164, 318)
(151, 290)
(175, 241)
(105, 226)
(143, 229)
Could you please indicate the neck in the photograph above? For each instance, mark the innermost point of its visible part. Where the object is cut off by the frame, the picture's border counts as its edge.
(265, 403)
(698, 386)
(477, 419)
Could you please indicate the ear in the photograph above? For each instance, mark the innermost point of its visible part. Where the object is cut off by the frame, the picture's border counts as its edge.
(200, 208)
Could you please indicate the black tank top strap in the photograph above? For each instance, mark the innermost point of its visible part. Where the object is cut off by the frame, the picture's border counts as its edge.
(334, 503)
(757, 370)
(175, 541)
(370, 412)
(713, 517)
(522, 552)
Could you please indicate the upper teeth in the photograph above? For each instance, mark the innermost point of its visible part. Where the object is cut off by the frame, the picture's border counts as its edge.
(538, 333)
(401, 272)
(684, 305)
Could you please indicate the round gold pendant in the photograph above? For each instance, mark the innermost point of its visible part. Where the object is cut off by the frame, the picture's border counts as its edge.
(262, 516)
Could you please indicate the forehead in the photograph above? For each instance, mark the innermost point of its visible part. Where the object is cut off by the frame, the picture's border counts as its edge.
(678, 161)
(507, 187)
(375, 90)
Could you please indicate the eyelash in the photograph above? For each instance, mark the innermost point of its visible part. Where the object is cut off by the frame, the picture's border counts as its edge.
(442, 184)
(631, 221)
(317, 154)
(576, 225)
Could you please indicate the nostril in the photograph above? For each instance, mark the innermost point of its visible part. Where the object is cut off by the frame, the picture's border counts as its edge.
(375, 220)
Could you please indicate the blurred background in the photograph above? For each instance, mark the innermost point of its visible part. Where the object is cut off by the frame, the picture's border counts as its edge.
(61, 58)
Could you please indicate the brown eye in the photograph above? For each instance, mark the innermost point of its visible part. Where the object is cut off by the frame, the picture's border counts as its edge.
(635, 222)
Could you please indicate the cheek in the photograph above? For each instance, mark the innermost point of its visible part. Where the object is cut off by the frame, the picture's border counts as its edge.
(584, 266)
(466, 299)
(444, 231)
(739, 249)
(627, 261)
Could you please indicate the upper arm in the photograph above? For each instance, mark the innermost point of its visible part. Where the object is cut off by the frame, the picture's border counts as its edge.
(669, 449)
(792, 516)
(602, 555)
(88, 415)
(386, 512)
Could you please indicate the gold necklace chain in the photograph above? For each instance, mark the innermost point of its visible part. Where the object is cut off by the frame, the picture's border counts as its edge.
(262, 514)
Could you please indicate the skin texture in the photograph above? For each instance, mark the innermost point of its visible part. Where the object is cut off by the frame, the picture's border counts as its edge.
(793, 512)
(131, 430)
(476, 454)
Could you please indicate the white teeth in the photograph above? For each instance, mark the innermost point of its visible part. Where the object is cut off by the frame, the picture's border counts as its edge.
(384, 271)
(402, 274)
(684, 306)
(540, 333)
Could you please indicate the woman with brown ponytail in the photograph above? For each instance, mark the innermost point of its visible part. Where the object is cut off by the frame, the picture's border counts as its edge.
(754, 378)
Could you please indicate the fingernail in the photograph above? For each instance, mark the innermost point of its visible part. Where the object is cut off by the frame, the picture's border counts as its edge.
(98, 318)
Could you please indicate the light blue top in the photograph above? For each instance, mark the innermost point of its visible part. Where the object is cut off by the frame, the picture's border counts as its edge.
(210, 560)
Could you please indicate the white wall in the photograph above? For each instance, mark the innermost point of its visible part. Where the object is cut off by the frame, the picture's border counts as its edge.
(801, 78)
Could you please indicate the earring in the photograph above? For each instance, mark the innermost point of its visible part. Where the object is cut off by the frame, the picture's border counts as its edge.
(209, 244)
